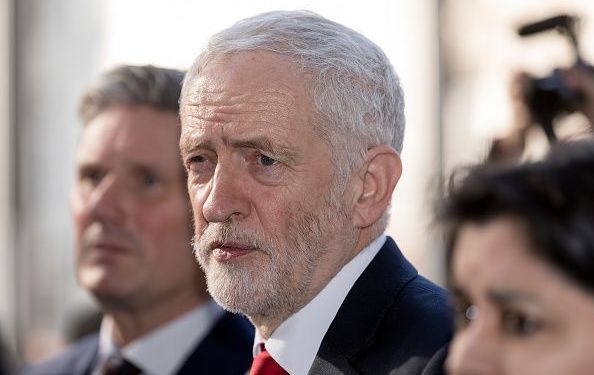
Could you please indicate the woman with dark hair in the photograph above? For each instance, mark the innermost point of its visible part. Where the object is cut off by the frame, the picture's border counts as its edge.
(521, 266)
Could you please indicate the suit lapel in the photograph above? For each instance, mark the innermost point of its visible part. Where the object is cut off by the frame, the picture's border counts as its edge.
(87, 358)
(359, 316)
(227, 349)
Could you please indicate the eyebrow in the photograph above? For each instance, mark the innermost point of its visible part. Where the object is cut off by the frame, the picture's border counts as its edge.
(499, 297)
(262, 143)
(188, 144)
(458, 292)
(508, 297)
(86, 166)
(140, 168)
(266, 145)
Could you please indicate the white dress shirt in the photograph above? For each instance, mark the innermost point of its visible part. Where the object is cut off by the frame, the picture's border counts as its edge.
(294, 344)
(162, 351)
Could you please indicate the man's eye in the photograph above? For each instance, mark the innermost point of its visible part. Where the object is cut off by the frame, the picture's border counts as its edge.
(464, 313)
(194, 161)
(266, 161)
(519, 324)
(91, 176)
(199, 165)
(149, 180)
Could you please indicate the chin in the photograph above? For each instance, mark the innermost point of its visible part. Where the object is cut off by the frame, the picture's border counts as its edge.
(99, 281)
(233, 287)
(251, 290)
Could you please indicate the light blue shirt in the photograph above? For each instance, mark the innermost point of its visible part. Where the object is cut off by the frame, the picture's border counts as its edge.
(161, 351)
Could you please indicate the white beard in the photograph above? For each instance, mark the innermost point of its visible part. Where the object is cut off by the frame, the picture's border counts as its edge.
(274, 281)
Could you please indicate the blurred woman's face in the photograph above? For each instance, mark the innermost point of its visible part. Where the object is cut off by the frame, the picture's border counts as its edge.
(515, 313)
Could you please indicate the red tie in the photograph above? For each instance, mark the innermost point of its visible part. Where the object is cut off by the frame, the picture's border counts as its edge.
(264, 364)
(119, 366)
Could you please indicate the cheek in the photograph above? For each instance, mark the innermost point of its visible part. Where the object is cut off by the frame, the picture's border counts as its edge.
(197, 198)
(76, 207)
(571, 347)
(549, 354)
(197, 219)
(274, 215)
(165, 225)
(80, 220)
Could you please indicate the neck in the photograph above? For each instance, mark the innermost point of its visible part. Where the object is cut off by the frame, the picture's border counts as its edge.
(133, 322)
(267, 325)
(330, 264)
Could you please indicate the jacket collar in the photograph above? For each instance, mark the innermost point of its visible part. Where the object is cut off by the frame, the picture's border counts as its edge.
(363, 309)
(87, 356)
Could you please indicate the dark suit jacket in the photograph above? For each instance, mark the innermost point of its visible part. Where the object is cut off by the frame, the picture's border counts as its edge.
(393, 321)
(226, 350)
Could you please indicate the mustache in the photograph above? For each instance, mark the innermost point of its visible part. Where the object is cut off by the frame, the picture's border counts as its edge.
(98, 232)
(217, 234)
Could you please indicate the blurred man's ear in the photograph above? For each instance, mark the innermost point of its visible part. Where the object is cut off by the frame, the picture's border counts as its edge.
(377, 179)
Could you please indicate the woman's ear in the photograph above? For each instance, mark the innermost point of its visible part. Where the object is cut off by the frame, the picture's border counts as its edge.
(378, 177)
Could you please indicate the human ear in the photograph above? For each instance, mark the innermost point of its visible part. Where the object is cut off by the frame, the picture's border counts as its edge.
(378, 177)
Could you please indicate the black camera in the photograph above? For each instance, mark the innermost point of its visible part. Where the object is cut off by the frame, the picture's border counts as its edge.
(549, 97)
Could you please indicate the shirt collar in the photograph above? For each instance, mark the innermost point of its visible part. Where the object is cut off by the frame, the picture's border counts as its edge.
(163, 350)
(295, 343)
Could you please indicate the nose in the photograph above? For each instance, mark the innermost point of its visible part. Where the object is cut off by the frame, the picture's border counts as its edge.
(474, 350)
(106, 202)
(226, 197)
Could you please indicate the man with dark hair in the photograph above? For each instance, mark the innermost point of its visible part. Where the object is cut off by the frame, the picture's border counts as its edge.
(133, 240)
(292, 128)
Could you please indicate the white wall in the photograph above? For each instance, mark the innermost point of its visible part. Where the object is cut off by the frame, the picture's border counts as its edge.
(56, 55)
(7, 285)
(483, 51)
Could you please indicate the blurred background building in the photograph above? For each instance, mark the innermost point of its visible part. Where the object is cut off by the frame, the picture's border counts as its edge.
(455, 59)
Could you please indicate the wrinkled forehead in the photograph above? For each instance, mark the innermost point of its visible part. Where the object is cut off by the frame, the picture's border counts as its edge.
(247, 87)
(265, 105)
(248, 71)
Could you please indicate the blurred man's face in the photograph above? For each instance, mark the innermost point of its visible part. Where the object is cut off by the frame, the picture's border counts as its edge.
(130, 209)
(268, 231)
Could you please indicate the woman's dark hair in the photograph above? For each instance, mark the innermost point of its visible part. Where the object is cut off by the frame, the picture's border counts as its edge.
(554, 198)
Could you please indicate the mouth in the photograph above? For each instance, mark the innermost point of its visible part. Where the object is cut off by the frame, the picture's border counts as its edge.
(230, 250)
(109, 247)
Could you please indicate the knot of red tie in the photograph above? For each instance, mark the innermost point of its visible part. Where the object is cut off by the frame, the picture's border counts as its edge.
(119, 366)
(264, 364)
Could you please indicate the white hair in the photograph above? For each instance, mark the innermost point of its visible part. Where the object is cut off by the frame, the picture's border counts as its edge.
(355, 90)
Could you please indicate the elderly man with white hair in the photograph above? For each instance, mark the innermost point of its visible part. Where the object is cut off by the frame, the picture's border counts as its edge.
(292, 128)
